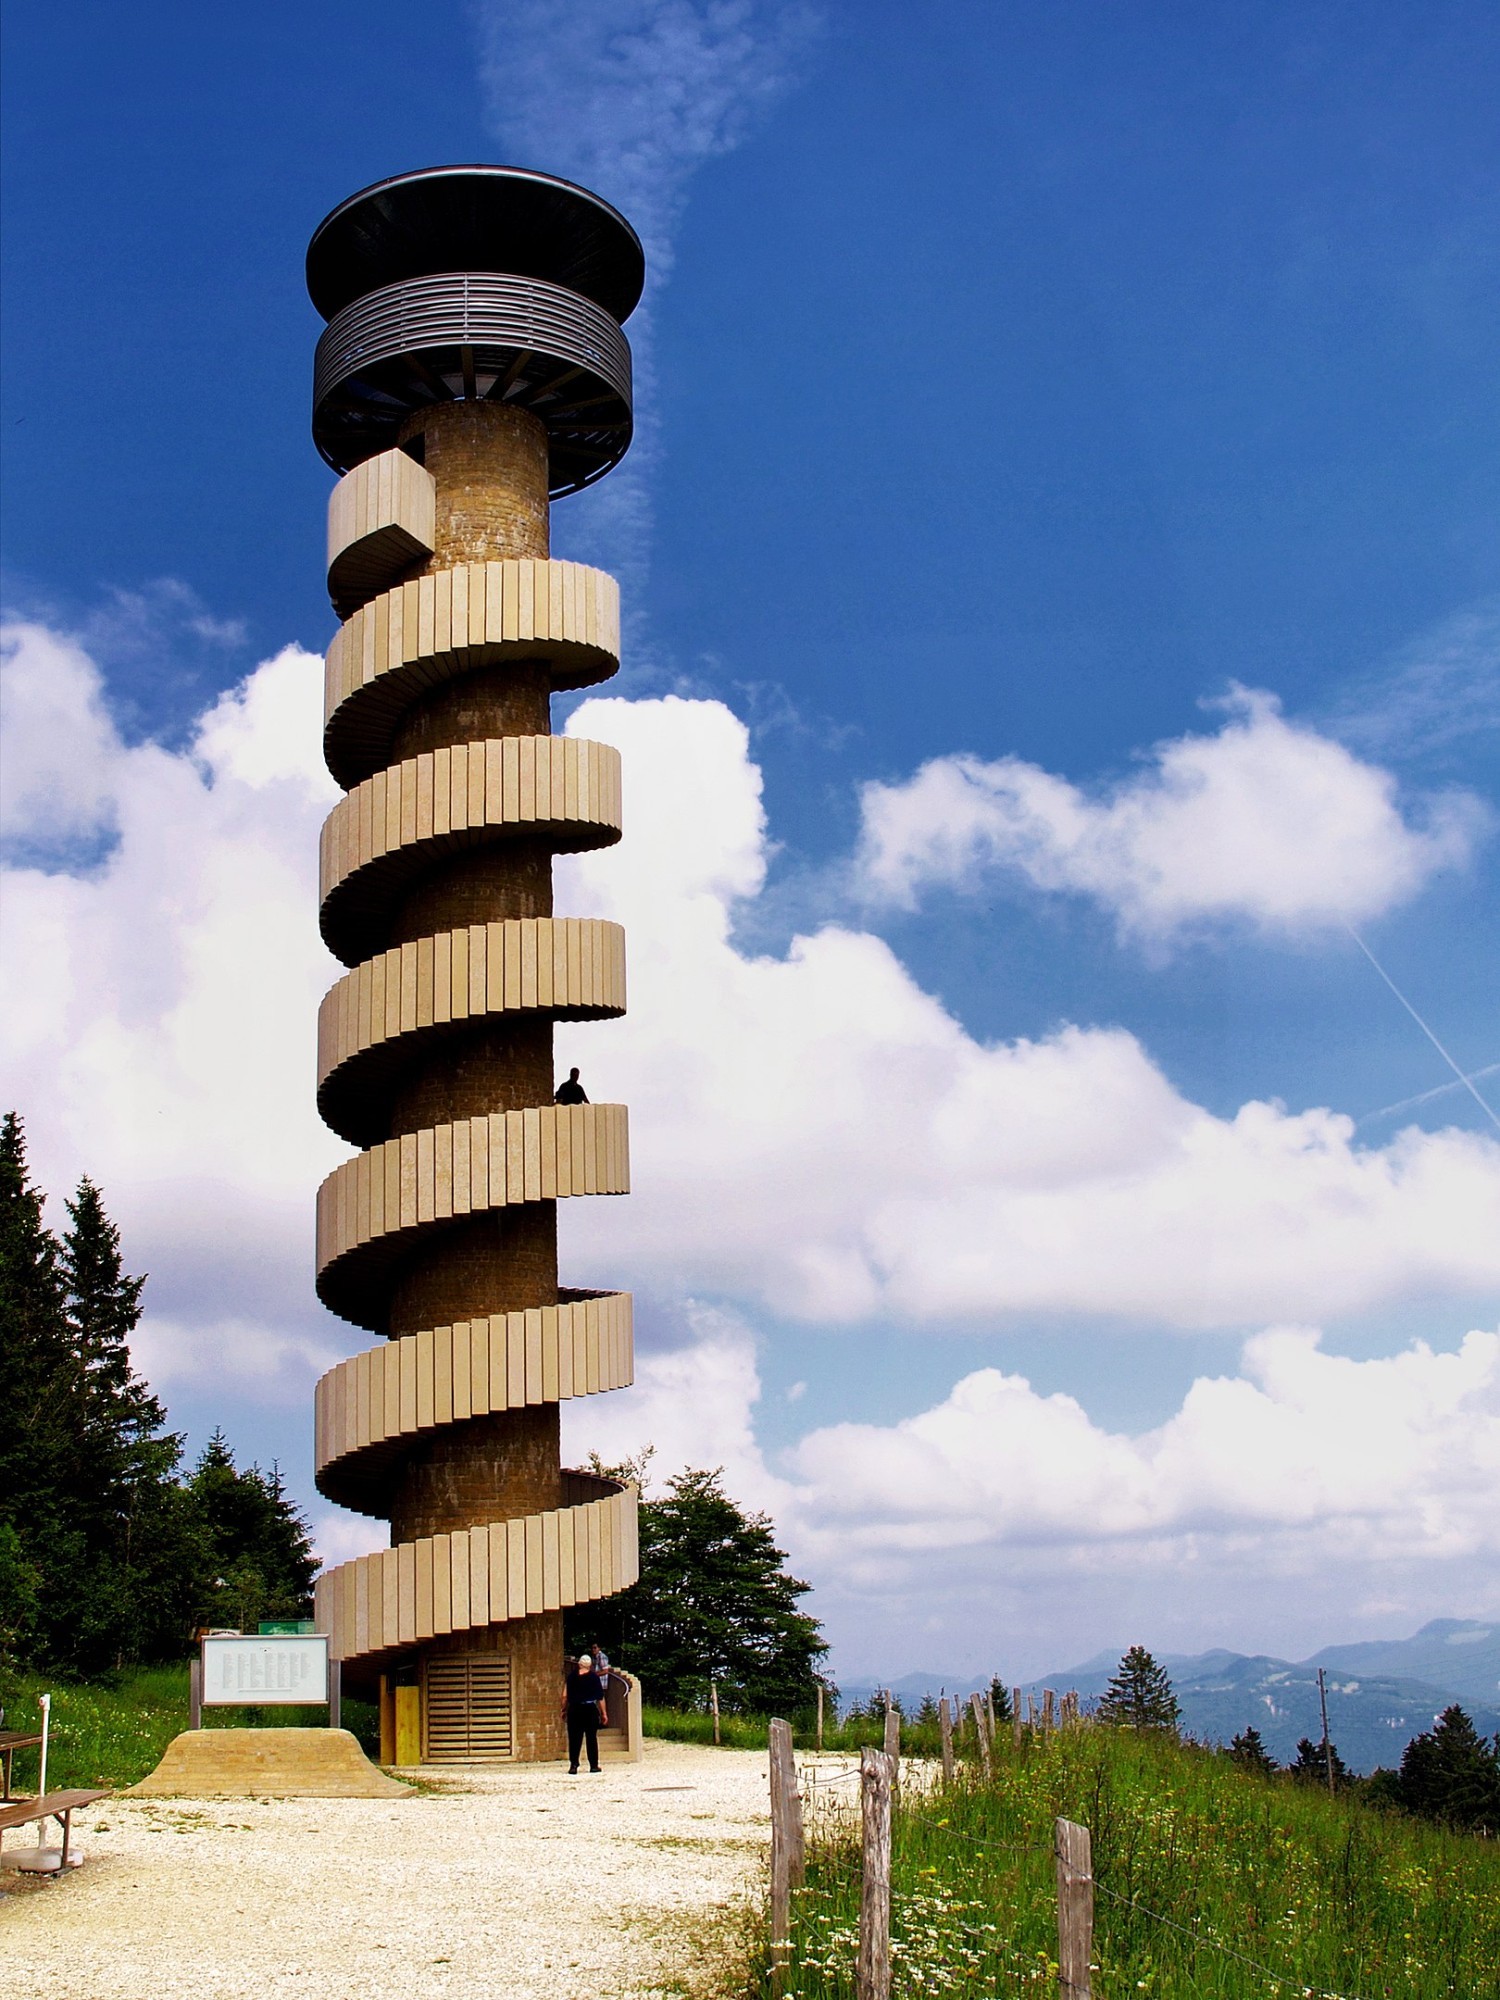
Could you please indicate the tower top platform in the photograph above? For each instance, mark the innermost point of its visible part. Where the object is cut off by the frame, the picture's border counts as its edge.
(481, 219)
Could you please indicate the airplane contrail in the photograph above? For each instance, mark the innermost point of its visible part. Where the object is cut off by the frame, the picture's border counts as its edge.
(1465, 1080)
(1426, 1096)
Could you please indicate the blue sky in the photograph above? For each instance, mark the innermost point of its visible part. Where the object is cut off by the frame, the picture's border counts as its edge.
(1017, 383)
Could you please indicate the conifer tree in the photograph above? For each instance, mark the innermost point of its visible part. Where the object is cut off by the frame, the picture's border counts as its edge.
(1250, 1753)
(33, 1425)
(138, 1576)
(1310, 1765)
(101, 1561)
(262, 1565)
(33, 1340)
(1000, 1699)
(1451, 1774)
(1140, 1695)
(713, 1603)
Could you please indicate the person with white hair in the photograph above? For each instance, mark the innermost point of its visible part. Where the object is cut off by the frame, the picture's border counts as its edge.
(585, 1705)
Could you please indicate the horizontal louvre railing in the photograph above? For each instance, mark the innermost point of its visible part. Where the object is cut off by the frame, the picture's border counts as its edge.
(472, 309)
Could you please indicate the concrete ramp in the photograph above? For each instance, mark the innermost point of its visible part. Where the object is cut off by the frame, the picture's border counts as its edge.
(275, 1763)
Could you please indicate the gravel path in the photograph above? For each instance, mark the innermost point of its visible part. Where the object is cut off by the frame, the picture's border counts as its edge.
(520, 1884)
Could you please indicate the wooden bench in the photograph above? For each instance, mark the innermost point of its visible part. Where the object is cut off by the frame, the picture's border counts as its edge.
(12, 1740)
(60, 1806)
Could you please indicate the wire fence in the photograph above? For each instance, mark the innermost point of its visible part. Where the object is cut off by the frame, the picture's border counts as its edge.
(1134, 1904)
(891, 1806)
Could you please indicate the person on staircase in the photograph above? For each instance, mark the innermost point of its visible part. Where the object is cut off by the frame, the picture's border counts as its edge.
(571, 1092)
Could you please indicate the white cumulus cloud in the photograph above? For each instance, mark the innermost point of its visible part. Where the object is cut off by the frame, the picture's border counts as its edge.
(813, 1132)
(162, 1036)
(1303, 1492)
(1263, 822)
(816, 1133)
(1387, 1458)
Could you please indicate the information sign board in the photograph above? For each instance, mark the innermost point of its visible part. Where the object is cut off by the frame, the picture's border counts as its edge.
(275, 1672)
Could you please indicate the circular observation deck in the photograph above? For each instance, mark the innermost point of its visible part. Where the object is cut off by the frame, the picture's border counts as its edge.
(490, 283)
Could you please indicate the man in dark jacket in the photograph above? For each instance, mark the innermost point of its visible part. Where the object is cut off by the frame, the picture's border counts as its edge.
(584, 1704)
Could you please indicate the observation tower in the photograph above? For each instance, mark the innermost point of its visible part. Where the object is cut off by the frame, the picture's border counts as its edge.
(473, 369)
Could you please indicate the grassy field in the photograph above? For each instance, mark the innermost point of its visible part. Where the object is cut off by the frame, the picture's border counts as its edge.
(1211, 1884)
(113, 1734)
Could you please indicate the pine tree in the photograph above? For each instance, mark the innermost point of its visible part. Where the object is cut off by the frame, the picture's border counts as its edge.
(1250, 1753)
(133, 1593)
(101, 1561)
(1000, 1699)
(1310, 1765)
(1140, 1695)
(262, 1565)
(33, 1403)
(105, 1557)
(713, 1603)
(33, 1342)
(1452, 1774)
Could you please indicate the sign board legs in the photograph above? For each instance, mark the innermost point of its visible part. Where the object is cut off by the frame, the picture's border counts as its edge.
(195, 1694)
(335, 1692)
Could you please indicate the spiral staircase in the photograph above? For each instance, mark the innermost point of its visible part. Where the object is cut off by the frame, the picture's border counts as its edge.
(473, 368)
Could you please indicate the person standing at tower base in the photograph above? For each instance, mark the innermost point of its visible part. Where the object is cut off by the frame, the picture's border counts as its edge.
(585, 1706)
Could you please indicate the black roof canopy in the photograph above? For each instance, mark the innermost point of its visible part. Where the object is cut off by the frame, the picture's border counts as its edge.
(477, 218)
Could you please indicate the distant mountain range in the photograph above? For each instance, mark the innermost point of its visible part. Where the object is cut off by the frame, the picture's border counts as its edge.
(1381, 1692)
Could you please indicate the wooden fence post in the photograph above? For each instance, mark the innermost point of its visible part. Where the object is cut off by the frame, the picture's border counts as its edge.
(989, 1713)
(977, 1711)
(1031, 1711)
(788, 1853)
(945, 1732)
(820, 1718)
(1075, 1908)
(1049, 1710)
(873, 1976)
(713, 1702)
(893, 1739)
(1015, 1717)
